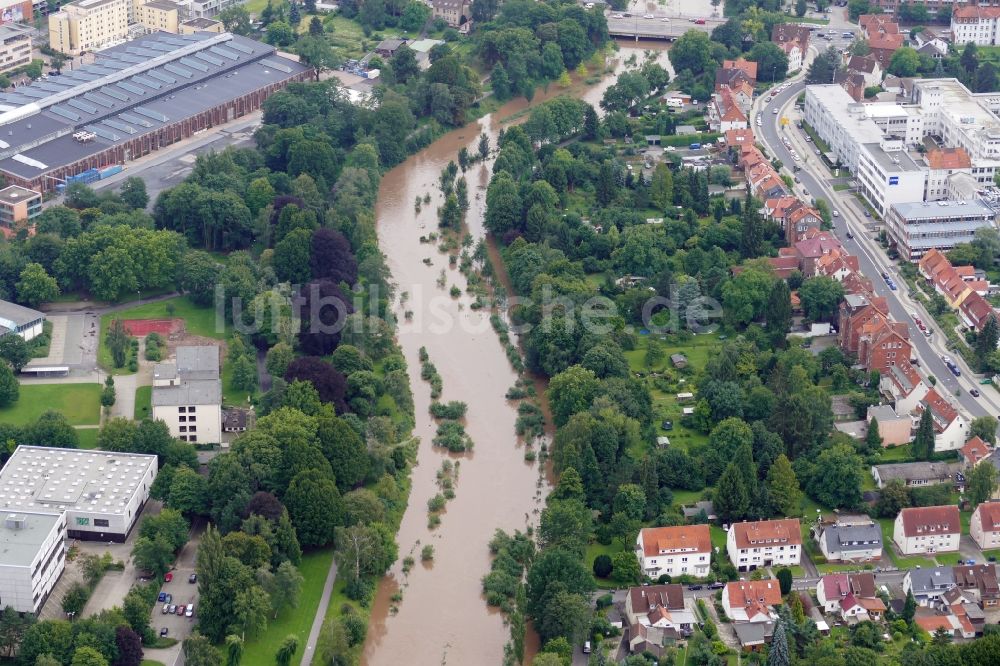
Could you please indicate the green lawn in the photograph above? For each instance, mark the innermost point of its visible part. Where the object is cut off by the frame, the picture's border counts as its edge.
(593, 550)
(87, 437)
(896, 454)
(231, 397)
(143, 398)
(197, 320)
(948, 559)
(79, 403)
(718, 537)
(298, 621)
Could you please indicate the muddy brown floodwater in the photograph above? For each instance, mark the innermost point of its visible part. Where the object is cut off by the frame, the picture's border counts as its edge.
(443, 617)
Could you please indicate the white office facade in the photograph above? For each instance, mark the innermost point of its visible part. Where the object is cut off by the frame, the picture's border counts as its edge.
(916, 227)
(101, 493)
(32, 557)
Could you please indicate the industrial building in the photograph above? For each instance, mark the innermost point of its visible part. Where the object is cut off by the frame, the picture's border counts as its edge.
(32, 557)
(916, 227)
(134, 99)
(101, 493)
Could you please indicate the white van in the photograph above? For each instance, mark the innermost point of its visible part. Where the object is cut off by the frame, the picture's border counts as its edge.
(586, 647)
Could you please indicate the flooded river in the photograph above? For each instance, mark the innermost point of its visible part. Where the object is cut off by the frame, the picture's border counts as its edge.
(442, 617)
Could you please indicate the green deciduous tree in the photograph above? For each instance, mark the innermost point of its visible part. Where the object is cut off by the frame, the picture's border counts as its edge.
(117, 340)
(36, 285)
(982, 482)
(10, 390)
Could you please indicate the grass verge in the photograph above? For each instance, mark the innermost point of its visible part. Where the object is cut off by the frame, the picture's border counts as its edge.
(143, 400)
(296, 621)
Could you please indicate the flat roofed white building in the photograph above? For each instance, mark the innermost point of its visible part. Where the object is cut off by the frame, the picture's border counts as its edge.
(840, 121)
(187, 394)
(20, 320)
(100, 492)
(32, 557)
(886, 174)
(916, 227)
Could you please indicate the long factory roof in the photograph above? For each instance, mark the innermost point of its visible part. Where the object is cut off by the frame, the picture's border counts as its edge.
(130, 90)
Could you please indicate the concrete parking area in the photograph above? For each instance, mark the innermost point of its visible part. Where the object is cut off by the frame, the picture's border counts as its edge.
(181, 590)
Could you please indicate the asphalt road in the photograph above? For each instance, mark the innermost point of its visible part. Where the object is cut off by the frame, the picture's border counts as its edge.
(815, 179)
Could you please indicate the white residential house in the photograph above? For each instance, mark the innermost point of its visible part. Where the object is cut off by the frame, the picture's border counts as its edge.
(928, 585)
(927, 530)
(984, 526)
(764, 543)
(187, 395)
(676, 551)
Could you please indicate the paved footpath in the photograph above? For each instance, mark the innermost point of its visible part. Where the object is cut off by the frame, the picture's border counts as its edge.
(324, 603)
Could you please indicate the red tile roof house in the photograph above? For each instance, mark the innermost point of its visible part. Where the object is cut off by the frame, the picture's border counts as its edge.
(951, 429)
(794, 41)
(737, 137)
(927, 530)
(877, 24)
(724, 113)
(851, 595)
(680, 550)
(856, 283)
(748, 67)
(814, 246)
(837, 265)
(883, 343)
(975, 451)
(904, 386)
(751, 600)
(975, 311)
(857, 310)
(980, 579)
(984, 526)
(764, 543)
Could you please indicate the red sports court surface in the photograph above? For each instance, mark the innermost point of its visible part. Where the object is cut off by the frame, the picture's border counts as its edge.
(140, 328)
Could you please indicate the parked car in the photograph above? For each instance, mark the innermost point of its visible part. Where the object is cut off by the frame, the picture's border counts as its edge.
(867, 214)
(954, 370)
(167, 577)
(695, 587)
(162, 597)
(850, 235)
(193, 578)
(190, 611)
(171, 609)
(164, 631)
(718, 585)
(181, 609)
(836, 213)
(169, 598)
(166, 608)
(974, 393)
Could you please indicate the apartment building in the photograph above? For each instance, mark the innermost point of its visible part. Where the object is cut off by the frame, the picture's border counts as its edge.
(89, 25)
(916, 227)
(676, 551)
(927, 530)
(984, 526)
(764, 543)
(975, 24)
(158, 15)
(15, 46)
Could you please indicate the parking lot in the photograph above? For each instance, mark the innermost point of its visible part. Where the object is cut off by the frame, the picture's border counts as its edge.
(181, 591)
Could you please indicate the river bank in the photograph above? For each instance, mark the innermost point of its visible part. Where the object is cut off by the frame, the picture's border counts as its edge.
(442, 616)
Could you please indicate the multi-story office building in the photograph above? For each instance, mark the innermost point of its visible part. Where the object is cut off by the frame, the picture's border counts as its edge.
(89, 25)
(886, 174)
(18, 204)
(32, 557)
(916, 227)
